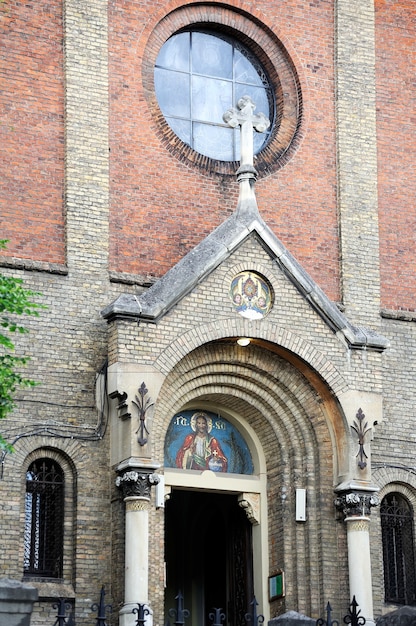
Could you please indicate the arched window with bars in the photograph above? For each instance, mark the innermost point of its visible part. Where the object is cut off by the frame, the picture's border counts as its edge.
(397, 529)
(44, 519)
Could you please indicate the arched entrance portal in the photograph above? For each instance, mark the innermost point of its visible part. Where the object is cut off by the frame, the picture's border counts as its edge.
(208, 551)
(294, 432)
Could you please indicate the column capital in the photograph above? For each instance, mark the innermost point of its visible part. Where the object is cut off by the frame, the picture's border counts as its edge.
(136, 483)
(356, 503)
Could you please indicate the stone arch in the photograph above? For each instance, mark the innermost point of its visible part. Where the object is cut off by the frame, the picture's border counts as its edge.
(293, 444)
(322, 374)
(277, 336)
(390, 479)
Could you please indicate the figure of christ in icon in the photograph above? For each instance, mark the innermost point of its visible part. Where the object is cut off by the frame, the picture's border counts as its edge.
(201, 451)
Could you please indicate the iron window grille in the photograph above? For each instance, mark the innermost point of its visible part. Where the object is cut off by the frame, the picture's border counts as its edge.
(398, 549)
(44, 519)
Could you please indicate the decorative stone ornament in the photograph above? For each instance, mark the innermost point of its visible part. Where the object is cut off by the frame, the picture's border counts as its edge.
(361, 428)
(137, 484)
(143, 404)
(243, 115)
(354, 504)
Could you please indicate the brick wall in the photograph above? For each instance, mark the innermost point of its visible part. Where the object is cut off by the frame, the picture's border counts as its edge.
(161, 207)
(32, 129)
(396, 120)
(156, 219)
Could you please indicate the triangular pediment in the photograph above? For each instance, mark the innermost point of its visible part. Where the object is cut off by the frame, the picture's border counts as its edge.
(218, 246)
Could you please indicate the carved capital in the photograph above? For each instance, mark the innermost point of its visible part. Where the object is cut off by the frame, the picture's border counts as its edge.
(355, 503)
(136, 483)
(250, 502)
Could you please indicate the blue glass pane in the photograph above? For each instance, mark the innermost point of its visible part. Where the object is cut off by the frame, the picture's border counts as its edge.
(172, 92)
(182, 128)
(175, 53)
(211, 56)
(213, 141)
(210, 99)
(244, 71)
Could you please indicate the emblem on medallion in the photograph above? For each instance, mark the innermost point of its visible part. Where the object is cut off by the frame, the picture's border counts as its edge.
(251, 295)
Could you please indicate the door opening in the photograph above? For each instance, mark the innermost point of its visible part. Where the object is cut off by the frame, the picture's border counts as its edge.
(208, 552)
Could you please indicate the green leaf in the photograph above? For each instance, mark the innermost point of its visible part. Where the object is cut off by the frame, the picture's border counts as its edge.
(15, 300)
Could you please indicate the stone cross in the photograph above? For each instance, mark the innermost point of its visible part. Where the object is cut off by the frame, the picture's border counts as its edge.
(244, 116)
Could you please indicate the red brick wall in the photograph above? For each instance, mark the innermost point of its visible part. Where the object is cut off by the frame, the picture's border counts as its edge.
(32, 129)
(162, 207)
(396, 118)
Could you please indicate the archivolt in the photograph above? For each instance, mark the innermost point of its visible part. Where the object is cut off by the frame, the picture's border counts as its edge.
(258, 387)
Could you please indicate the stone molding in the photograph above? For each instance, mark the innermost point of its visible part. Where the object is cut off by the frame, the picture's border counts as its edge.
(358, 525)
(33, 266)
(136, 504)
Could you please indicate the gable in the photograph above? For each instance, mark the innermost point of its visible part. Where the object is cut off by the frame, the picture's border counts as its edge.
(224, 242)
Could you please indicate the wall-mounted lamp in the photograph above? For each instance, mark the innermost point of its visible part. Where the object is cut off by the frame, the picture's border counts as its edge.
(243, 341)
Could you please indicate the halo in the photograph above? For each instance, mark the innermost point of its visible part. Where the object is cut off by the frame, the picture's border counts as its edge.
(205, 416)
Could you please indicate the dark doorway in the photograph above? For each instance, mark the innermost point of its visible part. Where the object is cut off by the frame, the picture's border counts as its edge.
(208, 551)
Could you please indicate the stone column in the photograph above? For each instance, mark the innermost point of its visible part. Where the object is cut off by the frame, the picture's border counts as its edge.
(135, 486)
(356, 509)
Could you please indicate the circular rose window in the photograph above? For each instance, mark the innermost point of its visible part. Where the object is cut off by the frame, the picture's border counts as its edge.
(200, 75)
(199, 61)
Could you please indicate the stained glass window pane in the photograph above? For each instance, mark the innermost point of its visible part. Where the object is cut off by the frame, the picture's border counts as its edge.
(211, 56)
(182, 128)
(169, 85)
(44, 518)
(244, 71)
(175, 53)
(210, 98)
(213, 141)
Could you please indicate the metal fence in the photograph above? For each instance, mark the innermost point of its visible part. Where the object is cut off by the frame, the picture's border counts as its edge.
(353, 616)
(65, 615)
(406, 616)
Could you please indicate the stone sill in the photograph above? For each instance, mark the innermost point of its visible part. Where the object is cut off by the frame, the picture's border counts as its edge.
(49, 589)
(399, 315)
(33, 266)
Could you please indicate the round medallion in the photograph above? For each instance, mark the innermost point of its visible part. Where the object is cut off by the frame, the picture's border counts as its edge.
(251, 295)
